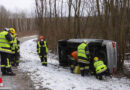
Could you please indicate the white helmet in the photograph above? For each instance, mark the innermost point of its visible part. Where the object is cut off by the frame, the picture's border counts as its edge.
(6, 29)
(86, 42)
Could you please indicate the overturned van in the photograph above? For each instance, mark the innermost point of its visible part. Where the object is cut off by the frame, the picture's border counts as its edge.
(104, 49)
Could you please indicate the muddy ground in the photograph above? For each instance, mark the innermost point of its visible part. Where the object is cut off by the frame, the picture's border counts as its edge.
(19, 82)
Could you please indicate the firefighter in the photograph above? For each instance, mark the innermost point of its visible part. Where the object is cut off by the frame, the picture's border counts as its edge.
(100, 68)
(42, 50)
(17, 52)
(15, 48)
(73, 61)
(6, 41)
(83, 58)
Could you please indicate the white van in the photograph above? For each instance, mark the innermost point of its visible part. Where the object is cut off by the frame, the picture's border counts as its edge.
(104, 49)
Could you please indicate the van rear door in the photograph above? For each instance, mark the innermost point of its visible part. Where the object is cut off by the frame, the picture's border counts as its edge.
(111, 47)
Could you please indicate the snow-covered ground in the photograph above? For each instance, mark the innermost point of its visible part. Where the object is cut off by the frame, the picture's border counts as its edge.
(57, 78)
(127, 64)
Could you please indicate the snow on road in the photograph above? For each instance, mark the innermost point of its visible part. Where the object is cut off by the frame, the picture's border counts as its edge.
(55, 77)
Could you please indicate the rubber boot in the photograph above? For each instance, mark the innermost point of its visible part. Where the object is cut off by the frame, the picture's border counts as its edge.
(10, 74)
(4, 73)
(43, 64)
(3, 70)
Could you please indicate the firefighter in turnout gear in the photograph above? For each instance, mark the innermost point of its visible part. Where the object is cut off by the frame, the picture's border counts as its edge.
(73, 61)
(100, 68)
(42, 50)
(6, 41)
(83, 58)
(17, 52)
(15, 48)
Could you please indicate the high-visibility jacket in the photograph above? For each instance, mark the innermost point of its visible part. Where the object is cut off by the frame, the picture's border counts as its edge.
(15, 46)
(100, 66)
(39, 46)
(5, 45)
(82, 57)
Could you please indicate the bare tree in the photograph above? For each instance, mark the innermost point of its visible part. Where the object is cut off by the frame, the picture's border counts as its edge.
(69, 18)
(103, 19)
(77, 5)
(122, 40)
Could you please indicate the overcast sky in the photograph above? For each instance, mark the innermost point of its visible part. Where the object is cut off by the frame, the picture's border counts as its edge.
(28, 6)
(18, 5)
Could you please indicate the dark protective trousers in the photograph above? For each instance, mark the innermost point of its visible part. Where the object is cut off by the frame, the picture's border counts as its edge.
(15, 59)
(84, 68)
(105, 73)
(5, 63)
(43, 60)
(74, 63)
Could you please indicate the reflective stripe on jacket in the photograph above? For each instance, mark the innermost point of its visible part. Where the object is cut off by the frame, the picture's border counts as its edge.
(82, 53)
(15, 45)
(100, 66)
(4, 43)
(39, 47)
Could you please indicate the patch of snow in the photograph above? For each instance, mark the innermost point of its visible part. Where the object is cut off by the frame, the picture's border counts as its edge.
(58, 78)
(127, 53)
(127, 64)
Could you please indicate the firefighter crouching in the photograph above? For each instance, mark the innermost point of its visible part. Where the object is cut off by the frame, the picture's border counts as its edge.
(42, 50)
(6, 41)
(74, 68)
(15, 48)
(83, 58)
(100, 68)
